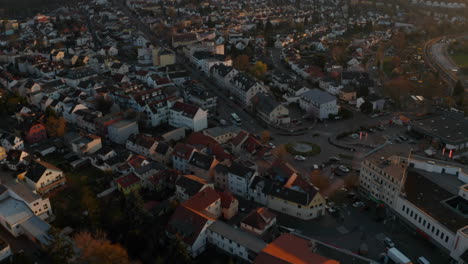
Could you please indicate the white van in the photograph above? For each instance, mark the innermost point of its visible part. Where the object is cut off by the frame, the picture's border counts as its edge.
(423, 260)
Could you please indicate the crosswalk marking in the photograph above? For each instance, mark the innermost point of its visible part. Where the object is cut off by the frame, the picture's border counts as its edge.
(380, 236)
(342, 230)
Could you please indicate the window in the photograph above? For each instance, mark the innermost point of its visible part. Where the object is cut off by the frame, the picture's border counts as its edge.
(437, 232)
(446, 239)
(432, 230)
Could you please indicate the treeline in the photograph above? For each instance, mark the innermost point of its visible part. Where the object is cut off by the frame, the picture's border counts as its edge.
(26, 8)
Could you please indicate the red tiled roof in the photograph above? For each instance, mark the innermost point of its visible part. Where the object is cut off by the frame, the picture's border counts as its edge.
(239, 138)
(214, 147)
(187, 224)
(226, 199)
(259, 218)
(127, 180)
(187, 109)
(289, 248)
(200, 201)
(136, 161)
(182, 151)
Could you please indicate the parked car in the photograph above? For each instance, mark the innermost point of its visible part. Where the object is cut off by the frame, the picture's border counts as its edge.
(271, 145)
(343, 168)
(335, 159)
(358, 204)
(299, 158)
(315, 167)
(332, 210)
(388, 242)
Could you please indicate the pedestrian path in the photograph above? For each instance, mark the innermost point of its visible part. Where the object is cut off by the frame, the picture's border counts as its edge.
(342, 230)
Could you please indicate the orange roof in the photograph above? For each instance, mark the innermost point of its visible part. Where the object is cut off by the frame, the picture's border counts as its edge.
(200, 201)
(289, 248)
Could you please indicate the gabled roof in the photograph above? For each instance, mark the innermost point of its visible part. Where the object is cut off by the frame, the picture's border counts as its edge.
(37, 168)
(187, 110)
(226, 199)
(200, 201)
(201, 160)
(191, 183)
(259, 218)
(183, 151)
(187, 224)
(318, 96)
(289, 248)
(128, 180)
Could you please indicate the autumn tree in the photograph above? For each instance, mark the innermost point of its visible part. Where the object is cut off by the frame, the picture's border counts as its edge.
(338, 52)
(259, 69)
(56, 127)
(241, 62)
(266, 136)
(90, 203)
(98, 249)
(399, 40)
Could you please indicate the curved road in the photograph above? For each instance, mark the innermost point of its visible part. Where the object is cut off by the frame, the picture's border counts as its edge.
(437, 57)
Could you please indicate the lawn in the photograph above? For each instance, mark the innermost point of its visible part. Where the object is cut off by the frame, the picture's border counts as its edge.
(461, 59)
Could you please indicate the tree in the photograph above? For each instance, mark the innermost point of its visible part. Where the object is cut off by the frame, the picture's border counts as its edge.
(60, 248)
(399, 40)
(241, 62)
(459, 93)
(98, 249)
(366, 107)
(265, 136)
(56, 127)
(91, 205)
(259, 69)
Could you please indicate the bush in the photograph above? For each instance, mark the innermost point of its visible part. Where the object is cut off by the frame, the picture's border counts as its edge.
(314, 151)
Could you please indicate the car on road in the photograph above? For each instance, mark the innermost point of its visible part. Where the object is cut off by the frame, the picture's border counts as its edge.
(354, 136)
(332, 210)
(372, 130)
(335, 159)
(380, 128)
(271, 145)
(403, 138)
(315, 167)
(343, 168)
(398, 141)
(358, 204)
(388, 242)
(299, 158)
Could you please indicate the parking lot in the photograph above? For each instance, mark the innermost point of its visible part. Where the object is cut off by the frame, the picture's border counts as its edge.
(351, 227)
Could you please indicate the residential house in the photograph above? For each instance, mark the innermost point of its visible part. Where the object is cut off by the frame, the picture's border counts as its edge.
(128, 183)
(121, 130)
(229, 205)
(181, 156)
(16, 159)
(36, 133)
(235, 241)
(207, 202)
(244, 88)
(269, 110)
(318, 103)
(239, 179)
(83, 144)
(18, 219)
(142, 144)
(348, 94)
(189, 185)
(223, 75)
(222, 134)
(259, 221)
(43, 177)
(191, 227)
(163, 152)
(10, 141)
(303, 202)
(188, 116)
(202, 165)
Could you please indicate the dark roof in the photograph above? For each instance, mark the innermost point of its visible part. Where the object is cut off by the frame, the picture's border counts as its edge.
(201, 200)
(162, 148)
(241, 171)
(201, 160)
(265, 103)
(186, 223)
(259, 218)
(430, 197)
(293, 194)
(191, 183)
(128, 180)
(187, 110)
(37, 168)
